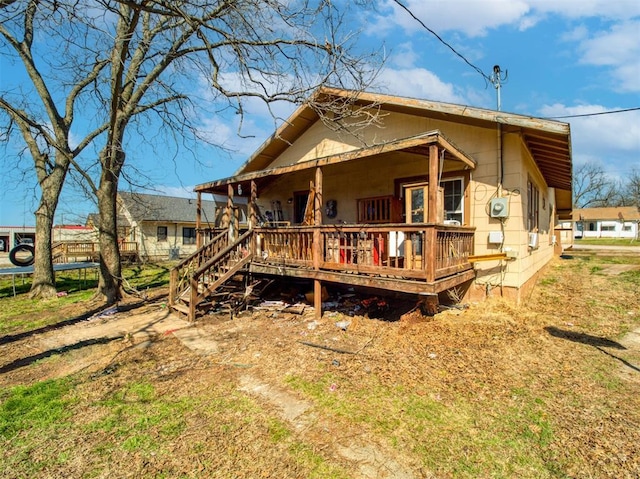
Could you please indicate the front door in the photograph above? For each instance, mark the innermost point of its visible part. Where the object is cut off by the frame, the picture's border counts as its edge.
(300, 200)
(416, 211)
(416, 203)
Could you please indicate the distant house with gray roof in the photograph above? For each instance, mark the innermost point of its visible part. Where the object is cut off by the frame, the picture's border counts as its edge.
(163, 226)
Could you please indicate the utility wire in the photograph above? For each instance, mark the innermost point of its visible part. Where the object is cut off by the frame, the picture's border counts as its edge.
(405, 8)
(594, 114)
(488, 78)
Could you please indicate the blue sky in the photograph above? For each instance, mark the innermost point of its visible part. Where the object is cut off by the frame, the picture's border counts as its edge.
(563, 57)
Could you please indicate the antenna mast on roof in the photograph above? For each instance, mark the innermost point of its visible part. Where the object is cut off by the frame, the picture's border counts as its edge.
(497, 79)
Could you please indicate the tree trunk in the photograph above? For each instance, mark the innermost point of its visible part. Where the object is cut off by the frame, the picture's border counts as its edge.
(110, 283)
(44, 281)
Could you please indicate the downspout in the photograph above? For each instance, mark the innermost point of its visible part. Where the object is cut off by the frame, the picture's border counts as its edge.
(499, 193)
(500, 157)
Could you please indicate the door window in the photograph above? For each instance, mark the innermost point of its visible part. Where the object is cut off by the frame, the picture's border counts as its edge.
(416, 203)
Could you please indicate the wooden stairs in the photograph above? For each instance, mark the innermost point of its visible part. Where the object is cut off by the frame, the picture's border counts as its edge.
(198, 280)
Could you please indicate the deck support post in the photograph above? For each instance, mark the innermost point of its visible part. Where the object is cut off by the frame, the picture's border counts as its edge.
(199, 238)
(317, 243)
(432, 214)
(429, 304)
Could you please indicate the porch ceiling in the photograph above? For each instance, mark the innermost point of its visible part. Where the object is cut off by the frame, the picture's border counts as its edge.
(416, 145)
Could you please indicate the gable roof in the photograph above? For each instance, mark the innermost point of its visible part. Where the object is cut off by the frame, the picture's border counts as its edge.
(626, 213)
(548, 141)
(170, 209)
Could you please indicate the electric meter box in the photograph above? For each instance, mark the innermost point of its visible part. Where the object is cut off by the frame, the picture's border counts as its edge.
(499, 208)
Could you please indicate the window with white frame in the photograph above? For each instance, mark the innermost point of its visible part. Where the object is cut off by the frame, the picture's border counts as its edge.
(188, 236)
(453, 199)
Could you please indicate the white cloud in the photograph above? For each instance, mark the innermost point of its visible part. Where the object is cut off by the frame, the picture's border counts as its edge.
(612, 140)
(609, 9)
(178, 191)
(576, 34)
(472, 17)
(619, 48)
(404, 55)
(418, 83)
(475, 17)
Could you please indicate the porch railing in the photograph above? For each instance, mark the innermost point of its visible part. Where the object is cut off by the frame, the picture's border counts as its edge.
(63, 251)
(422, 251)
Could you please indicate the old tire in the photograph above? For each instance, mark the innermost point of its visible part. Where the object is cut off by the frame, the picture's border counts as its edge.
(16, 256)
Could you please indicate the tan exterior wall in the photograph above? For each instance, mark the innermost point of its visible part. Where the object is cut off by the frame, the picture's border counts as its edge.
(64, 234)
(346, 183)
(149, 246)
(375, 176)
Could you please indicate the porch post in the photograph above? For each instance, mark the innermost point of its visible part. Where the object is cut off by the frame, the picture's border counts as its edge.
(430, 239)
(317, 243)
(432, 214)
(199, 221)
(230, 215)
(252, 205)
(253, 221)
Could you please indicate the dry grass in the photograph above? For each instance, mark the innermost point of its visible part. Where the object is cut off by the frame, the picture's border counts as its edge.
(546, 389)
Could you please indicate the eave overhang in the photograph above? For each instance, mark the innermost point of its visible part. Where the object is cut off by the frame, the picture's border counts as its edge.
(416, 145)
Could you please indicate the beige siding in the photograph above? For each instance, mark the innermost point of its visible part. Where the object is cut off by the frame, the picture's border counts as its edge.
(150, 247)
(65, 234)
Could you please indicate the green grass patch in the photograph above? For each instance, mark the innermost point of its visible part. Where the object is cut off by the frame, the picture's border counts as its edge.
(278, 431)
(459, 438)
(134, 411)
(318, 468)
(42, 406)
(608, 241)
(549, 281)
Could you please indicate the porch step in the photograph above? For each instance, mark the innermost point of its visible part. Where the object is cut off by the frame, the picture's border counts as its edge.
(181, 307)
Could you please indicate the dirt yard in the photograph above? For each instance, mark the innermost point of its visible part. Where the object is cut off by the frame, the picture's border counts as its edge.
(550, 388)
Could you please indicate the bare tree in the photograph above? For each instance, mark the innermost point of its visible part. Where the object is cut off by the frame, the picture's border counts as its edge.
(593, 188)
(43, 124)
(146, 55)
(631, 192)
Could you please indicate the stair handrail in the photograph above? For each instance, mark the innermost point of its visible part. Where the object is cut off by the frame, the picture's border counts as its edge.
(223, 252)
(216, 261)
(182, 273)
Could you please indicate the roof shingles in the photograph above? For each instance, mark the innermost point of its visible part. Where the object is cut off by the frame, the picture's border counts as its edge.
(158, 208)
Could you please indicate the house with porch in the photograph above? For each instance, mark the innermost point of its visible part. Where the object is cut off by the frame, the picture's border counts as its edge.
(390, 193)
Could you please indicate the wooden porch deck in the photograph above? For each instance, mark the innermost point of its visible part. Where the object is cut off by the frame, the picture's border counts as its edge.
(410, 258)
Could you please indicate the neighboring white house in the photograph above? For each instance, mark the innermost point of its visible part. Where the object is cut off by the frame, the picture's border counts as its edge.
(618, 222)
(163, 226)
